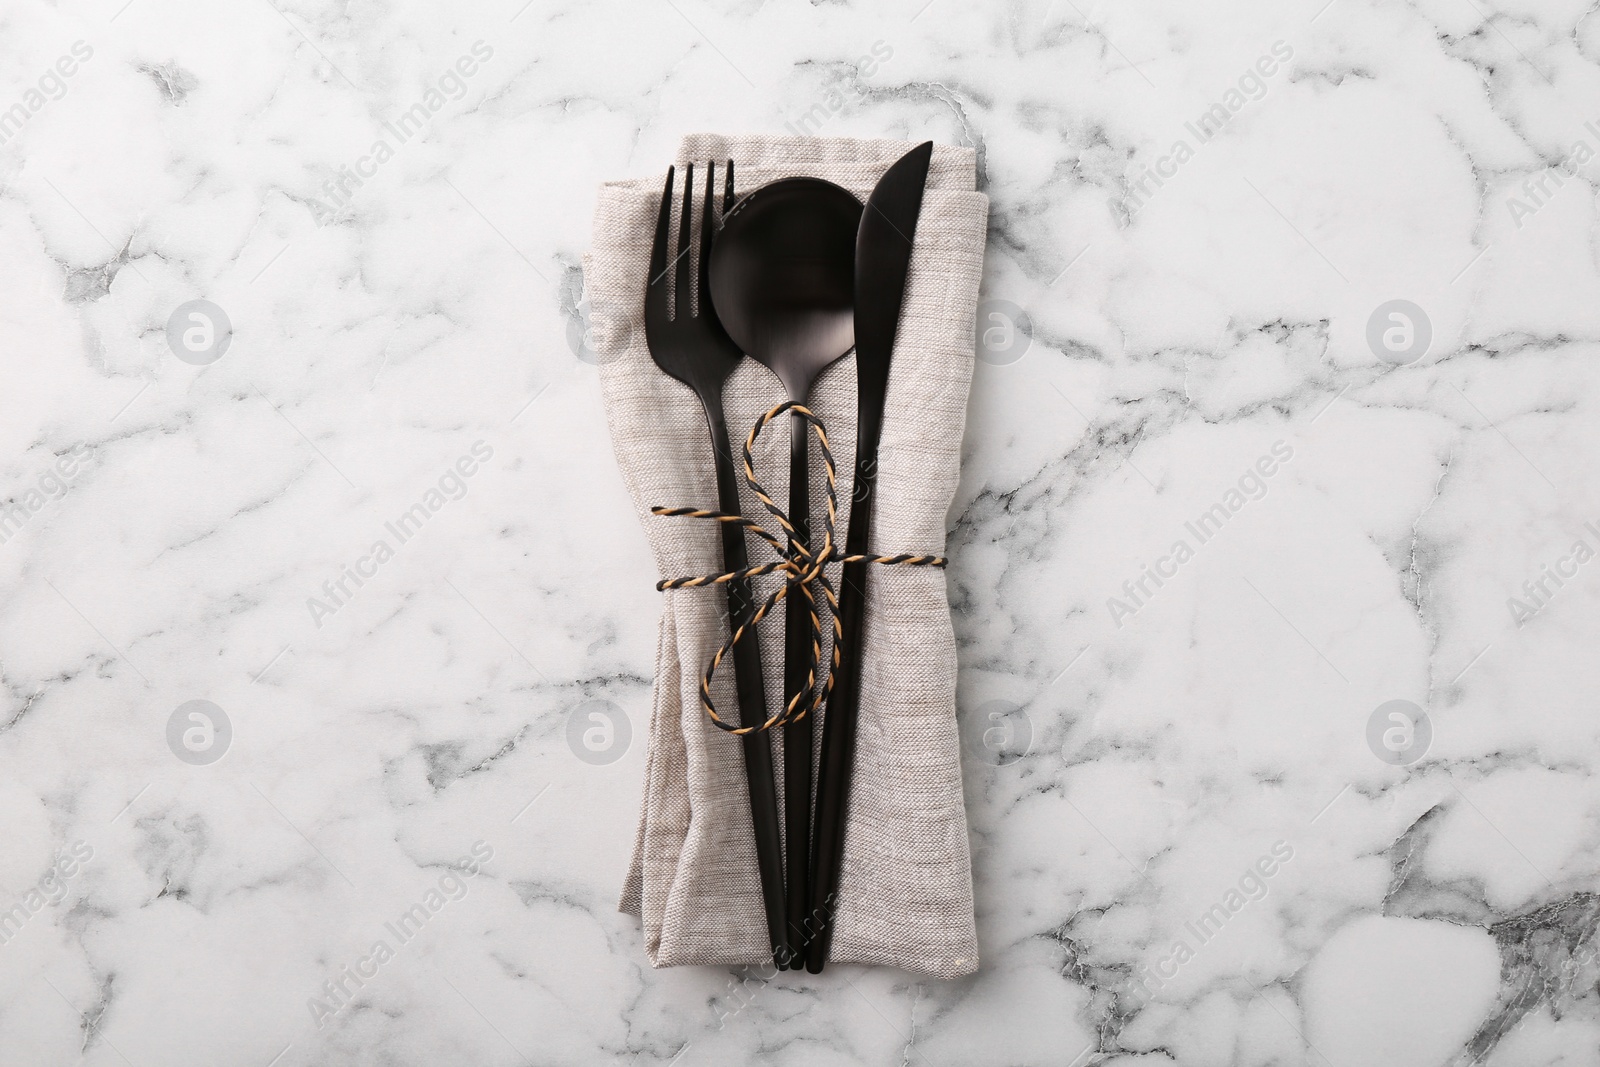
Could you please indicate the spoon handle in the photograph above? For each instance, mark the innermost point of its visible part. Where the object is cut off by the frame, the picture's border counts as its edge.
(798, 637)
(751, 687)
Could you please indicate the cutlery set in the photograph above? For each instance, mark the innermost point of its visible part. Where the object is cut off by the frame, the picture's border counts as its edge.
(794, 274)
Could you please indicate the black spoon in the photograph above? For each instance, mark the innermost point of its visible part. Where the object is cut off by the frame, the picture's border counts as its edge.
(783, 285)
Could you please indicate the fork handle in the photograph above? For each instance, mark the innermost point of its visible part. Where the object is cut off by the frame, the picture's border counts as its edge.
(751, 687)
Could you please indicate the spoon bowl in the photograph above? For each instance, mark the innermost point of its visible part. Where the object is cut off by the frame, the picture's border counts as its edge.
(783, 277)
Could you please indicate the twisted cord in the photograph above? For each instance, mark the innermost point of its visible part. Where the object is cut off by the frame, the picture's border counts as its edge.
(803, 566)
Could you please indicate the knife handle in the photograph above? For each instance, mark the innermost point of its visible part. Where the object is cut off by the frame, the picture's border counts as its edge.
(751, 687)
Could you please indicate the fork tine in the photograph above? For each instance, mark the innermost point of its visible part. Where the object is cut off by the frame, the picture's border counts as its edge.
(727, 197)
(704, 289)
(685, 233)
(655, 295)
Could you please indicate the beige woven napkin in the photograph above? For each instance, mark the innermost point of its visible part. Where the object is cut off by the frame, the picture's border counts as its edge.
(905, 892)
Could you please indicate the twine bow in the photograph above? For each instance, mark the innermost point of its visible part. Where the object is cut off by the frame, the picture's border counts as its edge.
(803, 566)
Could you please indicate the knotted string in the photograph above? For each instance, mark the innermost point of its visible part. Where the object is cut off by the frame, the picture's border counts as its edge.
(803, 566)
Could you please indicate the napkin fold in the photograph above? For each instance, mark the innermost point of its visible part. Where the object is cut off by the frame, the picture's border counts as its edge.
(905, 889)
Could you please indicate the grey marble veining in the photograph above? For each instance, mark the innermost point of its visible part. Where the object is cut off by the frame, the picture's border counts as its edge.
(1232, 521)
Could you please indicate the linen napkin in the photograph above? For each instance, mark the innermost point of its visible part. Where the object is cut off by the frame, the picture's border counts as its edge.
(905, 887)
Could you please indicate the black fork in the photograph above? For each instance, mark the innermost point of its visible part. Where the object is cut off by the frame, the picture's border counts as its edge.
(688, 342)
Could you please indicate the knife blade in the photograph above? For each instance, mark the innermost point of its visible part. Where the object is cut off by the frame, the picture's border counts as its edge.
(883, 259)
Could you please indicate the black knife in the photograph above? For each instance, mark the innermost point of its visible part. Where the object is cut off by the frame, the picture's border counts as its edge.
(883, 256)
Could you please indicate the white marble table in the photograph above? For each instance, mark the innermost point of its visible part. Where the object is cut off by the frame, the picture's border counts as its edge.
(1219, 510)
